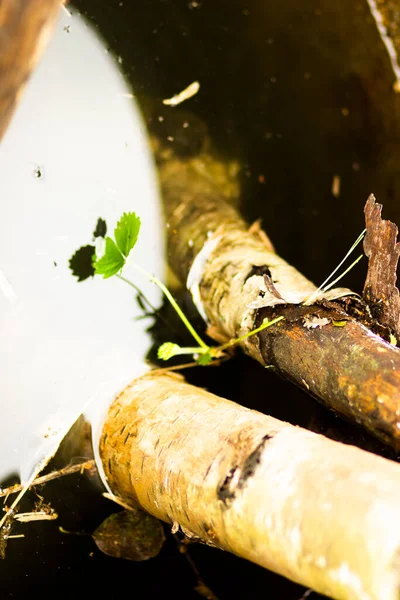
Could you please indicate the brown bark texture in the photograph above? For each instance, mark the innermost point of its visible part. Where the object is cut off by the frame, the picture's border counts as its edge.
(383, 250)
(25, 29)
(320, 512)
(236, 279)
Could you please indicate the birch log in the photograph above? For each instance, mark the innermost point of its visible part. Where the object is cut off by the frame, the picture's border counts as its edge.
(321, 513)
(25, 30)
(236, 279)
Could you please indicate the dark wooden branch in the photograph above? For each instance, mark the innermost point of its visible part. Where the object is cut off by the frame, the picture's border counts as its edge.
(352, 371)
(339, 361)
(25, 28)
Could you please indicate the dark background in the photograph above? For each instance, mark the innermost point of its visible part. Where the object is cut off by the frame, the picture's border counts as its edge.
(297, 92)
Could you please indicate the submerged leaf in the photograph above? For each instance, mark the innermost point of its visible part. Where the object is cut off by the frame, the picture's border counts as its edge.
(126, 232)
(81, 263)
(130, 534)
(101, 228)
(112, 261)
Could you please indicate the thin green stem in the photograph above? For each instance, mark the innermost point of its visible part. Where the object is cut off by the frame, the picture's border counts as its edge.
(174, 304)
(139, 292)
(188, 350)
(328, 287)
(322, 287)
(264, 325)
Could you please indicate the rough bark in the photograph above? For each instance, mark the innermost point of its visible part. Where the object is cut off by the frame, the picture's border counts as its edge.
(25, 29)
(319, 512)
(383, 250)
(236, 281)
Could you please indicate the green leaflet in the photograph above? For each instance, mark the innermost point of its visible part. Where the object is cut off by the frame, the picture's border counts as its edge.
(112, 261)
(204, 359)
(126, 232)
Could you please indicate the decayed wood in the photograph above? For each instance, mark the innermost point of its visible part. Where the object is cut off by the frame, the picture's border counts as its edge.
(25, 28)
(320, 512)
(383, 250)
(237, 280)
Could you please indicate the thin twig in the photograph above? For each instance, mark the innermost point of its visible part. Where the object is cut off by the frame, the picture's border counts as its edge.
(89, 464)
(201, 587)
(214, 363)
(117, 500)
(307, 594)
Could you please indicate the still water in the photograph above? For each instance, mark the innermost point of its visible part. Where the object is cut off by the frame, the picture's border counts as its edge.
(300, 95)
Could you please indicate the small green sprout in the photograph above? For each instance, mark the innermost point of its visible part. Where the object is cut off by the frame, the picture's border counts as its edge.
(206, 355)
(115, 258)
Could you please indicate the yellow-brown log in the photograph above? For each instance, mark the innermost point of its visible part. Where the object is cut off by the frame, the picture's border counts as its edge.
(319, 512)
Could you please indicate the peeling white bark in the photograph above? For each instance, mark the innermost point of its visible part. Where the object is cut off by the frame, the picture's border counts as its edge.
(319, 512)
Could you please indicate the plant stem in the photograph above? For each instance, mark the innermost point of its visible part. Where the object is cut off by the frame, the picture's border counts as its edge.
(196, 350)
(139, 292)
(328, 287)
(174, 304)
(311, 298)
(264, 325)
(203, 348)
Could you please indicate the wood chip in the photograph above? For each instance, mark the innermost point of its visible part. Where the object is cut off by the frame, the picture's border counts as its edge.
(336, 186)
(36, 516)
(185, 94)
(314, 322)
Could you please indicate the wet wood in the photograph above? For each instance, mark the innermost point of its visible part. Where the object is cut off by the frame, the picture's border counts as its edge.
(341, 362)
(319, 512)
(383, 250)
(25, 30)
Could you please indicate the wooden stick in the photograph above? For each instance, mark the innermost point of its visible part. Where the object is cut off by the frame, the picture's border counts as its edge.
(68, 470)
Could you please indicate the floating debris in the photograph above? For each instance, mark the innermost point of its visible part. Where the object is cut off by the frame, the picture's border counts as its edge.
(335, 189)
(185, 94)
(130, 534)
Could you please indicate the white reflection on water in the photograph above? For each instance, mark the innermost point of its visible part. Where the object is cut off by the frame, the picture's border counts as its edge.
(75, 151)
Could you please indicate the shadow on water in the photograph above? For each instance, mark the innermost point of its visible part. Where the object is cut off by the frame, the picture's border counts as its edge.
(299, 93)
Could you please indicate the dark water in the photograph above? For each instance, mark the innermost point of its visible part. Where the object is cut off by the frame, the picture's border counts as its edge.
(298, 93)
